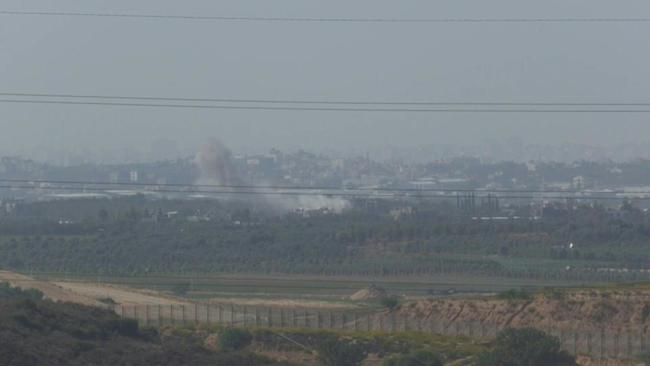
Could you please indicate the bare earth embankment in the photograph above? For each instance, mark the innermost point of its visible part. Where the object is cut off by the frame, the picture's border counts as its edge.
(574, 310)
(87, 293)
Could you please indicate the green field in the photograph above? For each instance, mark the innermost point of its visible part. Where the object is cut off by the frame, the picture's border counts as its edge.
(310, 287)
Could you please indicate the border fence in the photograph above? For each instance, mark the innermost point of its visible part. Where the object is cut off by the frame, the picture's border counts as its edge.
(596, 343)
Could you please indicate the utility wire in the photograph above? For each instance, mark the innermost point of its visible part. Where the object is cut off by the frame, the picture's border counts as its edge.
(328, 19)
(317, 188)
(323, 109)
(326, 194)
(323, 102)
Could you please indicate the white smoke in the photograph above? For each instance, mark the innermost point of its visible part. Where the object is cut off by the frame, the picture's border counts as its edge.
(214, 161)
(309, 202)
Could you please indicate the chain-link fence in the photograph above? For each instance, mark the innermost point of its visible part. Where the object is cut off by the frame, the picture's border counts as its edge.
(598, 343)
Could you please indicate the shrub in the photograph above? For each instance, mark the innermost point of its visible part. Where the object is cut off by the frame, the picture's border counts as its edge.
(335, 352)
(390, 302)
(417, 358)
(125, 327)
(233, 339)
(180, 289)
(554, 294)
(8, 292)
(643, 357)
(514, 294)
(525, 347)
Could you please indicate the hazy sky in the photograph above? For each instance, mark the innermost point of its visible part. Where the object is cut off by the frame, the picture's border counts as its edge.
(556, 62)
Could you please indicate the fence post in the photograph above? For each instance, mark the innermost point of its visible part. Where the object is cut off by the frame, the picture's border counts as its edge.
(183, 314)
(160, 321)
(220, 313)
(146, 314)
(257, 317)
(269, 312)
(356, 321)
(245, 321)
(381, 323)
(171, 314)
(207, 313)
(575, 342)
(196, 313)
(331, 320)
(602, 343)
(643, 337)
(122, 311)
(368, 325)
(629, 344)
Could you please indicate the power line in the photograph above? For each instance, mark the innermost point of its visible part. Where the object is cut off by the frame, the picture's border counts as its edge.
(323, 102)
(321, 109)
(319, 194)
(576, 193)
(328, 19)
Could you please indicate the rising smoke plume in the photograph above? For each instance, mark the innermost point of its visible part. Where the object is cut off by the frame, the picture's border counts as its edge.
(214, 161)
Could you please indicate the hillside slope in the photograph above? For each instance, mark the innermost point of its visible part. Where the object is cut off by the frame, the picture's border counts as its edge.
(35, 332)
(591, 310)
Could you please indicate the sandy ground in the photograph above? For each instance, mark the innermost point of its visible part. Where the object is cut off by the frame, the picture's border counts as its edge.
(309, 304)
(121, 295)
(51, 290)
(88, 293)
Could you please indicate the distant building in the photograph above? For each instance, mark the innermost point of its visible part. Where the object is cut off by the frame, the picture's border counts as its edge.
(114, 177)
(578, 182)
(133, 176)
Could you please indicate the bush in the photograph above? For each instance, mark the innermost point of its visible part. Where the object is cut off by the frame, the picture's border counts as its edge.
(335, 352)
(233, 339)
(643, 357)
(417, 358)
(525, 347)
(8, 292)
(390, 302)
(514, 295)
(180, 289)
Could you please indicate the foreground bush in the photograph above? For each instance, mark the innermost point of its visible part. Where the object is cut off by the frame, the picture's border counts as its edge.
(336, 352)
(417, 358)
(44, 333)
(233, 339)
(525, 347)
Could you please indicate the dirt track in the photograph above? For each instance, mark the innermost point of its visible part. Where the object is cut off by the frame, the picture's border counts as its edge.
(87, 293)
(121, 295)
(50, 290)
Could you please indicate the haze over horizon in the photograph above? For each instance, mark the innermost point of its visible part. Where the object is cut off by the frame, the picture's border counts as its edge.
(446, 62)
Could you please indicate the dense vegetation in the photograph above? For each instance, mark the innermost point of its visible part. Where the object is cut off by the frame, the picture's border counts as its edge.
(38, 332)
(525, 347)
(134, 236)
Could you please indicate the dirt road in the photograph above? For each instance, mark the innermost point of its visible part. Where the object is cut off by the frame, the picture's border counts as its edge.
(88, 293)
